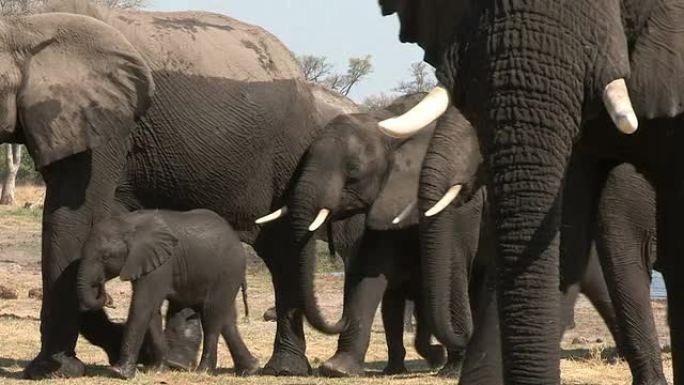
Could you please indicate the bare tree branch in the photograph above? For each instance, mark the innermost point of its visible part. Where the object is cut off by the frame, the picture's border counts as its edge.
(421, 80)
(315, 68)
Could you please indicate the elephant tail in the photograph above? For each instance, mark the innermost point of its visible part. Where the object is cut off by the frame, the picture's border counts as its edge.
(243, 288)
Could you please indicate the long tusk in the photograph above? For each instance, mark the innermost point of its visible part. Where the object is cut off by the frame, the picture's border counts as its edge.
(272, 216)
(422, 114)
(405, 213)
(446, 200)
(320, 219)
(619, 106)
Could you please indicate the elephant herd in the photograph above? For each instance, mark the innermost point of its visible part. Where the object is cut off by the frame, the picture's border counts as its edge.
(546, 163)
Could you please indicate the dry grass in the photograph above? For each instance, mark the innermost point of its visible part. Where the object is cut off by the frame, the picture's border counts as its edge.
(583, 363)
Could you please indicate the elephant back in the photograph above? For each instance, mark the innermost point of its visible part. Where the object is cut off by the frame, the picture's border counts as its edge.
(197, 43)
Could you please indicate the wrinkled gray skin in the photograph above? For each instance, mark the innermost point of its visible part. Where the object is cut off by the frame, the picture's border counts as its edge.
(193, 259)
(531, 76)
(456, 247)
(153, 110)
(353, 171)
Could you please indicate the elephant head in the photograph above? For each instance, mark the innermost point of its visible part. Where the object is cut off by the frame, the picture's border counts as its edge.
(128, 246)
(69, 84)
(528, 74)
(351, 169)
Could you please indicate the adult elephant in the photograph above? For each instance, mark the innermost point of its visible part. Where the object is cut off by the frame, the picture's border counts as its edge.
(350, 178)
(531, 75)
(624, 241)
(229, 120)
(450, 260)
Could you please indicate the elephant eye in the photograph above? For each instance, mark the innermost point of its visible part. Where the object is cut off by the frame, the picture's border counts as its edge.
(354, 169)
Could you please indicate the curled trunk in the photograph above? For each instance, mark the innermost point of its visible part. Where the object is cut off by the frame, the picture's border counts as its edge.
(449, 239)
(90, 285)
(302, 213)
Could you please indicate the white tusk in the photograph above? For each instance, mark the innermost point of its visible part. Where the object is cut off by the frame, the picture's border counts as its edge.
(272, 216)
(619, 106)
(320, 219)
(405, 213)
(422, 114)
(446, 200)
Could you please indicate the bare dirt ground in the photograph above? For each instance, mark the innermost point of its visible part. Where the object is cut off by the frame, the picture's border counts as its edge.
(588, 350)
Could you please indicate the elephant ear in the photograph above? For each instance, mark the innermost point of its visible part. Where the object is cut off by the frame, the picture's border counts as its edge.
(83, 85)
(150, 245)
(401, 188)
(656, 84)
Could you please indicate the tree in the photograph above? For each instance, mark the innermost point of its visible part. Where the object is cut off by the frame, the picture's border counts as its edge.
(317, 69)
(358, 68)
(421, 80)
(12, 163)
(376, 102)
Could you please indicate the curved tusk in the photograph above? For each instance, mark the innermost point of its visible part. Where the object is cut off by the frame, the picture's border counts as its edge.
(405, 213)
(272, 216)
(422, 114)
(619, 106)
(446, 200)
(320, 219)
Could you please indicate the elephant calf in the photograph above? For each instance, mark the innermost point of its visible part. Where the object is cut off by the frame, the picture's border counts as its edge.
(193, 259)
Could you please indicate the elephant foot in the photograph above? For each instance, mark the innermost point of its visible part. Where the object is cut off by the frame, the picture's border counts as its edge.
(452, 369)
(124, 372)
(249, 369)
(341, 365)
(58, 365)
(435, 356)
(287, 364)
(394, 369)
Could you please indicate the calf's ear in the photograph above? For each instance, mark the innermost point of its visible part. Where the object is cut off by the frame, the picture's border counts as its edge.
(150, 245)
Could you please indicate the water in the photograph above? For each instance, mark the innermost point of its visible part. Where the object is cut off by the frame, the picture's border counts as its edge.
(657, 286)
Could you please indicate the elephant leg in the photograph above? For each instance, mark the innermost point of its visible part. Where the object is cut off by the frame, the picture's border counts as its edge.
(434, 354)
(393, 321)
(594, 287)
(146, 300)
(482, 363)
(212, 324)
(158, 342)
(585, 179)
(363, 298)
(245, 363)
(620, 246)
(274, 246)
(568, 301)
(409, 310)
(79, 192)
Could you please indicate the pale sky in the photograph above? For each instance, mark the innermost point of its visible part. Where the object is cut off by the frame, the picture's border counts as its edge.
(338, 29)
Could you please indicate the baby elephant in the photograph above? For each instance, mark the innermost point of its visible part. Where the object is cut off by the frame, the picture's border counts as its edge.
(194, 259)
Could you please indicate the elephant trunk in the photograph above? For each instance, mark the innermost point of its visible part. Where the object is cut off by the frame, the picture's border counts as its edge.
(445, 278)
(449, 239)
(302, 214)
(90, 285)
(534, 118)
